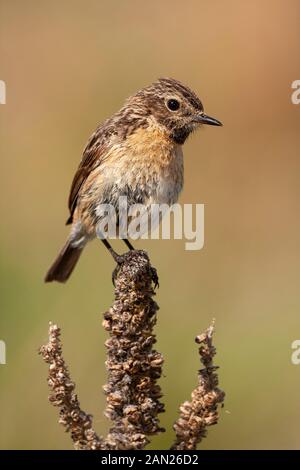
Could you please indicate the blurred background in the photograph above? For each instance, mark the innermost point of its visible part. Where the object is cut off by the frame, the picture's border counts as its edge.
(67, 66)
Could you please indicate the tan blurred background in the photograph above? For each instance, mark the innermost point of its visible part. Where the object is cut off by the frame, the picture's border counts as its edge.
(70, 64)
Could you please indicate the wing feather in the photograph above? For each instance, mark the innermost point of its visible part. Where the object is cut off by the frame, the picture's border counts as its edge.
(93, 155)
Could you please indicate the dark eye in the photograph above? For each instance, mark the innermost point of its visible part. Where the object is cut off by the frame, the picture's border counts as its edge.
(173, 105)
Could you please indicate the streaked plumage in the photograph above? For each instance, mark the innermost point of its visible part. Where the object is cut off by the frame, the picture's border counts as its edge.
(135, 153)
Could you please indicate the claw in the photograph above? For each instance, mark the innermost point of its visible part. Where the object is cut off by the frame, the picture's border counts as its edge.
(154, 277)
(120, 259)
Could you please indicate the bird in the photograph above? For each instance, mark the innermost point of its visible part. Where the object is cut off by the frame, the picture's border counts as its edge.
(135, 153)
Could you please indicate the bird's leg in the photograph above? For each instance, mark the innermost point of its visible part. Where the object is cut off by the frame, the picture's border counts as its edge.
(127, 242)
(118, 258)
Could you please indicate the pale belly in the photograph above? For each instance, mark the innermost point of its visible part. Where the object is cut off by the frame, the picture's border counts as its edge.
(141, 183)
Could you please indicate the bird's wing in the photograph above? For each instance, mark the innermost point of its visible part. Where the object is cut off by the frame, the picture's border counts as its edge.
(93, 155)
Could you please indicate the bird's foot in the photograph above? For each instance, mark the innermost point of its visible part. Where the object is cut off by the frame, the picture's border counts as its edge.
(154, 277)
(121, 259)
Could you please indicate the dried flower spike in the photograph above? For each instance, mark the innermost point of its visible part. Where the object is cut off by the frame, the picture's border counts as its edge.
(75, 421)
(202, 410)
(134, 367)
(133, 395)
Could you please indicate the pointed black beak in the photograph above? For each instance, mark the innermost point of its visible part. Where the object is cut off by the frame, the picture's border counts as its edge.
(204, 119)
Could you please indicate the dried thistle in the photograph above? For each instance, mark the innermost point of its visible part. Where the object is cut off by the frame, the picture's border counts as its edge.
(202, 410)
(75, 421)
(133, 365)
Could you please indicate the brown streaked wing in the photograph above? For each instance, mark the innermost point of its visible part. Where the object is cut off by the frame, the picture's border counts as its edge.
(92, 156)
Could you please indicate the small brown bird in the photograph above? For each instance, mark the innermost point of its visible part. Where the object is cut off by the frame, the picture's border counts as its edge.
(136, 153)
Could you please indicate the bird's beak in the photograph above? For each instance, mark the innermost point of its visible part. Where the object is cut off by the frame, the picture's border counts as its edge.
(204, 119)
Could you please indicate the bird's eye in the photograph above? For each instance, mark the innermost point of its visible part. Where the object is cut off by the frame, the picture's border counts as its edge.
(173, 105)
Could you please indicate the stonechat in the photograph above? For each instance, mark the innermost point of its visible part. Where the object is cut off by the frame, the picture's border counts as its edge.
(136, 153)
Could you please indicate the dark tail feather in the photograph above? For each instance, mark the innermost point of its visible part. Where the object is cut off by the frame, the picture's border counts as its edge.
(64, 264)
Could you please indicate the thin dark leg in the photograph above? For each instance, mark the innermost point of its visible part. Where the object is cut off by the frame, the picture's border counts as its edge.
(115, 255)
(127, 242)
(118, 258)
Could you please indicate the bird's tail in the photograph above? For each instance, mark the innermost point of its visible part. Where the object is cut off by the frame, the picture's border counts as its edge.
(64, 264)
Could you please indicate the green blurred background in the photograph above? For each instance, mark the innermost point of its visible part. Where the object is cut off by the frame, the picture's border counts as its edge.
(70, 64)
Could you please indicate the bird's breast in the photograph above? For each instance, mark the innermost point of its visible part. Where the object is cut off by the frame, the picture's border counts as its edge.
(155, 165)
(147, 169)
(170, 179)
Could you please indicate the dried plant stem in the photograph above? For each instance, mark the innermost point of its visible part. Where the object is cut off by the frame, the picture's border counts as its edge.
(63, 395)
(202, 411)
(133, 365)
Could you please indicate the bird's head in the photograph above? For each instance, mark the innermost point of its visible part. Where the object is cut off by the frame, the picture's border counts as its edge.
(174, 106)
